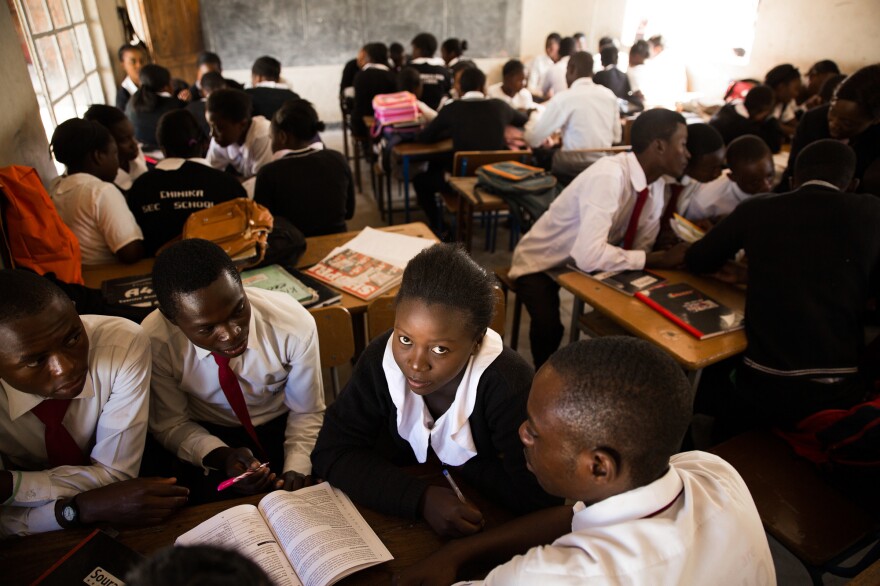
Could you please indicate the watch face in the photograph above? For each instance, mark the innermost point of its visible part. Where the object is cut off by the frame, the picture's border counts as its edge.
(69, 513)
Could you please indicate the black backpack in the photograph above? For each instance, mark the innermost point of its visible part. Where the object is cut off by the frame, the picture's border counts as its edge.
(527, 190)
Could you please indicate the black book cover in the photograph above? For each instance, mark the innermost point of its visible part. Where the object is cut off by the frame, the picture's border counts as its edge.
(98, 560)
(697, 313)
(326, 295)
(136, 291)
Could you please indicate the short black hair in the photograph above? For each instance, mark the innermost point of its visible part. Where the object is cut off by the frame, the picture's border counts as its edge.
(76, 139)
(106, 116)
(472, 80)
(298, 118)
(230, 104)
(130, 47)
(197, 565)
(641, 48)
(187, 266)
(268, 67)
(826, 160)
(566, 46)
(703, 140)
(25, 293)
(578, 35)
(609, 54)
(652, 125)
(656, 41)
(605, 41)
(824, 66)
(426, 43)
(580, 64)
(154, 78)
(445, 274)
(395, 47)
(627, 396)
(826, 92)
(552, 38)
(746, 149)
(863, 88)
(180, 135)
(759, 98)
(409, 79)
(208, 58)
(377, 52)
(780, 74)
(455, 46)
(511, 67)
(213, 81)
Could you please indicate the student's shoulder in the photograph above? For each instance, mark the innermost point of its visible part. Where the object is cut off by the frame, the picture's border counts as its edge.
(708, 471)
(106, 331)
(279, 311)
(509, 373)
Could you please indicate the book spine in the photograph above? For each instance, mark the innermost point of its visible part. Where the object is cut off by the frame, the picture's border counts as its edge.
(670, 316)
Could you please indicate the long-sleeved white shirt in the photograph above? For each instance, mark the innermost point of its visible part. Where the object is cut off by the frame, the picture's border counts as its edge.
(587, 113)
(538, 68)
(714, 199)
(554, 80)
(246, 158)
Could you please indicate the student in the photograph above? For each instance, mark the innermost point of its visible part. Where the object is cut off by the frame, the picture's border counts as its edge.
(132, 163)
(556, 81)
(606, 219)
(267, 92)
(751, 173)
(474, 123)
(73, 415)
(635, 72)
(236, 375)
(785, 81)
(610, 76)
(814, 251)
(541, 64)
(91, 206)
(512, 87)
(580, 42)
(210, 82)
(147, 105)
(396, 56)
(753, 115)
(373, 79)
(309, 185)
(197, 564)
(181, 183)
(452, 53)
(853, 115)
(441, 381)
(587, 113)
(133, 58)
(209, 63)
(605, 422)
(239, 142)
(346, 84)
(409, 80)
(436, 79)
(818, 74)
(827, 92)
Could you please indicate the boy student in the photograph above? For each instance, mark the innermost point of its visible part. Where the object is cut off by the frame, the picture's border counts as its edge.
(209, 63)
(606, 219)
(605, 422)
(587, 114)
(635, 72)
(210, 82)
(818, 74)
(813, 252)
(73, 415)
(133, 58)
(236, 375)
(474, 122)
(267, 92)
(436, 79)
(753, 115)
(751, 172)
(373, 79)
(610, 76)
(556, 80)
(512, 87)
(785, 81)
(541, 64)
(132, 163)
(410, 81)
(181, 183)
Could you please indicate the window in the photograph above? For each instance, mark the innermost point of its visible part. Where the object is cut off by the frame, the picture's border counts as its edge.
(60, 58)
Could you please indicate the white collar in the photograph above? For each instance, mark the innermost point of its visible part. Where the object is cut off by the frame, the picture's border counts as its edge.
(129, 85)
(428, 61)
(821, 183)
(277, 85)
(740, 108)
(375, 66)
(636, 173)
(175, 163)
(164, 94)
(474, 95)
(21, 402)
(450, 436)
(453, 62)
(312, 148)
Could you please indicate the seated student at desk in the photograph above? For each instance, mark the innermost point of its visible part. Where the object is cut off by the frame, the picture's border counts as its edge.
(785, 81)
(132, 58)
(606, 219)
(541, 64)
(209, 63)
(512, 87)
(147, 105)
(556, 79)
(209, 83)
(439, 382)
(373, 79)
(436, 79)
(410, 81)
(235, 374)
(181, 183)
(616, 80)
(73, 415)
(606, 418)
(132, 163)
(753, 115)
(813, 257)
(267, 92)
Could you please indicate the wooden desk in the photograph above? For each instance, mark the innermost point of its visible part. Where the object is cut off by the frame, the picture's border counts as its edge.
(406, 151)
(472, 199)
(94, 275)
(642, 321)
(23, 559)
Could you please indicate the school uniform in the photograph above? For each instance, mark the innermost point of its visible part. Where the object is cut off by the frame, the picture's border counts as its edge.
(538, 69)
(313, 188)
(164, 198)
(377, 425)
(812, 252)
(696, 524)
(124, 179)
(374, 79)
(555, 80)
(717, 198)
(124, 92)
(97, 214)
(247, 158)
(146, 123)
(349, 71)
(636, 75)
(196, 92)
(615, 80)
(279, 374)
(268, 96)
(197, 108)
(436, 81)
(107, 420)
(521, 100)
(732, 121)
(785, 112)
(588, 225)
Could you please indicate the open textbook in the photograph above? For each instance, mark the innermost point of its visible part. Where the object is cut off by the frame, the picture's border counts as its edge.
(313, 537)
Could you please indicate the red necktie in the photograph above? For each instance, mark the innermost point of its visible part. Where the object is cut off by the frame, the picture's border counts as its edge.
(674, 193)
(232, 390)
(633, 225)
(61, 448)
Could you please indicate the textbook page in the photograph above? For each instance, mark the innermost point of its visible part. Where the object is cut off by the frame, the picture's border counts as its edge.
(395, 249)
(322, 533)
(243, 529)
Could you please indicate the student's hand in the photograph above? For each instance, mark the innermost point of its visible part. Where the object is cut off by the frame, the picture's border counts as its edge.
(734, 273)
(448, 516)
(513, 136)
(239, 461)
(292, 480)
(667, 259)
(184, 95)
(140, 501)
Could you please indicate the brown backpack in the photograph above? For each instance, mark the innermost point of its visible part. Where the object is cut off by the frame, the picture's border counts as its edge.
(240, 227)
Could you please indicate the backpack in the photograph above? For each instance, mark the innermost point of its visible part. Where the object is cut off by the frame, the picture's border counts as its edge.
(527, 190)
(392, 109)
(35, 236)
(239, 226)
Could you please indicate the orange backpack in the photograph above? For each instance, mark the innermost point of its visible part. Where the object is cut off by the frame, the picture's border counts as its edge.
(35, 235)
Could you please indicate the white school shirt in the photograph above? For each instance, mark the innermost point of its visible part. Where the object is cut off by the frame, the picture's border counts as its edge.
(108, 418)
(586, 224)
(716, 198)
(697, 524)
(522, 100)
(555, 79)
(587, 113)
(125, 179)
(248, 157)
(785, 112)
(635, 74)
(538, 68)
(129, 85)
(96, 212)
(279, 372)
(275, 85)
(450, 435)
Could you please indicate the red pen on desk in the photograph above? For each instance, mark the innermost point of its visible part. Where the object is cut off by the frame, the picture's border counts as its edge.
(227, 483)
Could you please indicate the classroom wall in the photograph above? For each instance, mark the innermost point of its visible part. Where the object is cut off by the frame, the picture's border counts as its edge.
(595, 18)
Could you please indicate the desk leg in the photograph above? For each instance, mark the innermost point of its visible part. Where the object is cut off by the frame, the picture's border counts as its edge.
(577, 309)
(406, 188)
(465, 218)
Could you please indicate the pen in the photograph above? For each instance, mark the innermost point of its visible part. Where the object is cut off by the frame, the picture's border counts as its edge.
(454, 486)
(227, 483)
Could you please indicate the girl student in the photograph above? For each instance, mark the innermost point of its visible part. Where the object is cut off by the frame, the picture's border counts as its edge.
(132, 163)
(147, 105)
(440, 385)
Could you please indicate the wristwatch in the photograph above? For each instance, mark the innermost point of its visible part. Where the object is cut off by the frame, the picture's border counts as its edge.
(70, 513)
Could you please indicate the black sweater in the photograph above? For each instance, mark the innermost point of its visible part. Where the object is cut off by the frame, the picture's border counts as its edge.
(267, 100)
(359, 449)
(436, 83)
(146, 123)
(368, 84)
(732, 125)
(473, 124)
